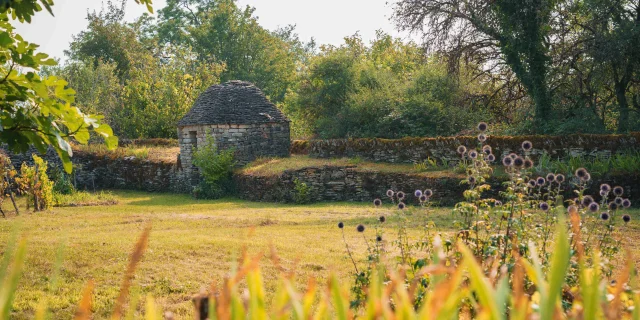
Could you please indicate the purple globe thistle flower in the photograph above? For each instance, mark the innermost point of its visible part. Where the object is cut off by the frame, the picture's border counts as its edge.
(417, 193)
(594, 207)
(483, 126)
(378, 238)
(603, 193)
(572, 209)
(382, 219)
(360, 228)
(513, 155)
(472, 179)
(491, 157)
(487, 149)
(613, 206)
(604, 216)
(581, 173)
(377, 202)
(390, 193)
(626, 218)
(544, 206)
(560, 178)
(340, 224)
(400, 195)
(587, 177)
(540, 181)
(497, 203)
(482, 137)
(518, 162)
(532, 183)
(527, 145)
(423, 198)
(605, 187)
(528, 164)
(428, 193)
(473, 154)
(462, 149)
(507, 161)
(618, 201)
(401, 206)
(551, 177)
(618, 191)
(587, 200)
(626, 203)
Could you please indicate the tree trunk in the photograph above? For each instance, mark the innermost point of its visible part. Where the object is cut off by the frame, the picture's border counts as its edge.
(623, 104)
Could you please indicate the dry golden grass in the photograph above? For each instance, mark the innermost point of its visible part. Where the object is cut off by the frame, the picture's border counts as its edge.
(192, 244)
(274, 166)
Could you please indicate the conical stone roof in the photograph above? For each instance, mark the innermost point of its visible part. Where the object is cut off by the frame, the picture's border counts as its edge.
(233, 102)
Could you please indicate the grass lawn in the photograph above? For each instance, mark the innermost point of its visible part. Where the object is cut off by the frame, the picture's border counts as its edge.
(193, 243)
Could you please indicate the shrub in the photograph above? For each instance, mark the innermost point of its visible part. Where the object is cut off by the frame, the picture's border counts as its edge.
(34, 182)
(216, 169)
(62, 182)
(7, 179)
(301, 192)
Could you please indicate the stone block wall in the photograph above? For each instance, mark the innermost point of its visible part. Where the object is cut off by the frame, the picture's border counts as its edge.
(347, 183)
(415, 150)
(249, 141)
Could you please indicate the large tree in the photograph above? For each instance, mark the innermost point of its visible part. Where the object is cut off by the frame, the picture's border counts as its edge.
(512, 33)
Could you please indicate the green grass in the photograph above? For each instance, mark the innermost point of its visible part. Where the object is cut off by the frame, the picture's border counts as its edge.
(275, 166)
(84, 198)
(193, 243)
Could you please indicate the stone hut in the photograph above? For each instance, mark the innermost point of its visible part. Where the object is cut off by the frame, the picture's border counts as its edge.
(239, 116)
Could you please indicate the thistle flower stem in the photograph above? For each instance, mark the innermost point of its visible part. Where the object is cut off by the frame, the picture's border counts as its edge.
(349, 252)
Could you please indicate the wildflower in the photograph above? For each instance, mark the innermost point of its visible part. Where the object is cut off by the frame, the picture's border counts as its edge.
(626, 203)
(360, 228)
(507, 161)
(572, 209)
(482, 137)
(518, 162)
(587, 200)
(428, 193)
(604, 216)
(390, 193)
(528, 164)
(532, 183)
(491, 158)
(483, 126)
(400, 195)
(377, 202)
(540, 181)
(551, 177)
(423, 198)
(605, 187)
(401, 206)
(618, 201)
(340, 224)
(544, 206)
(527, 145)
(487, 149)
(472, 179)
(379, 238)
(560, 178)
(594, 207)
(618, 191)
(513, 155)
(587, 177)
(382, 219)
(497, 203)
(417, 193)
(473, 154)
(603, 193)
(613, 206)
(626, 218)
(462, 149)
(581, 173)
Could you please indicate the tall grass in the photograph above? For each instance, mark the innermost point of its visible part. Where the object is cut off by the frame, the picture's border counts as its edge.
(617, 164)
(461, 291)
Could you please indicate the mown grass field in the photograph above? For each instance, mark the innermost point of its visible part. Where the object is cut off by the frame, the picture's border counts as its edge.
(193, 243)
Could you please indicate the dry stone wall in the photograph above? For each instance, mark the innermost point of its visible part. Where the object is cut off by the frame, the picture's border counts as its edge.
(415, 150)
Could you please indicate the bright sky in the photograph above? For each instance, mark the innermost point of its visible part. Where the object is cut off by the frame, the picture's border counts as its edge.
(328, 21)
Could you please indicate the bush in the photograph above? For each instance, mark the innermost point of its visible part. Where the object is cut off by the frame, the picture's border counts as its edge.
(34, 182)
(301, 192)
(216, 169)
